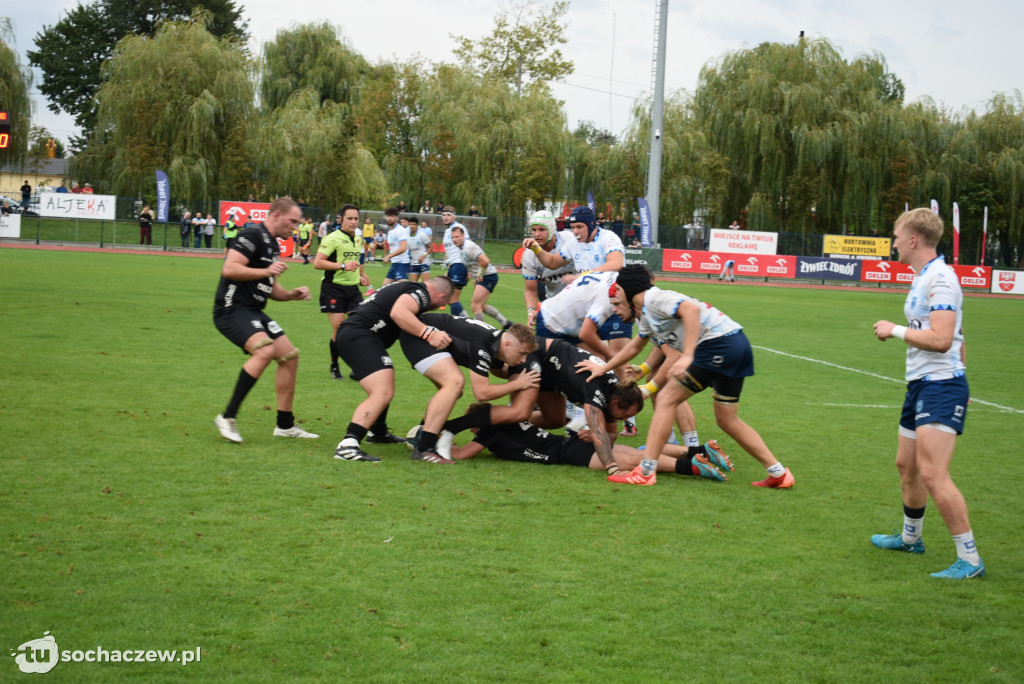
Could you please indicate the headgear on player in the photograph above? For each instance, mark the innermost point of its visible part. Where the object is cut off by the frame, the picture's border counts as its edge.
(542, 218)
(634, 279)
(584, 214)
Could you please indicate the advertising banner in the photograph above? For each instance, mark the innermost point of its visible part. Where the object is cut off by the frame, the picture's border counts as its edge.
(1008, 282)
(645, 221)
(742, 241)
(828, 269)
(163, 196)
(885, 272)
(852, 245)
(67, 205)
(974, 276)
(649, 257)
(10, 225)
(697, 261)
(244, 212)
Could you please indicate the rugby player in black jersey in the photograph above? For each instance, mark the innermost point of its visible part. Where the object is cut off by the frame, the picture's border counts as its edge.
(478, 347)
(248, 279)
(363, 340)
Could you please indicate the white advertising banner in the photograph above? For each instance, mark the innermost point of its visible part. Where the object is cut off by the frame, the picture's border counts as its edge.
(68, 205)
(743, 241)
(10, 225)
(1008, 282)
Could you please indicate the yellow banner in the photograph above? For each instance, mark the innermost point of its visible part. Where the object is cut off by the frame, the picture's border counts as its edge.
(857, 246)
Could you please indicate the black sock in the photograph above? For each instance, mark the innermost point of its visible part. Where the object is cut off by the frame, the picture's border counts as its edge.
(695, 451)
(334, 353)
(285, 420)
(242, 387)
(428, 441)
(913, 513)
(380, 426)
(476, 419)
(355, 431)
(684, 466)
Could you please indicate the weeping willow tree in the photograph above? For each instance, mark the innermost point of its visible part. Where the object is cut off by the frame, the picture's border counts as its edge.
(180, 101)
(15, 81)
(310, 56)
(802, 129)
(490, 146)
(307, 148)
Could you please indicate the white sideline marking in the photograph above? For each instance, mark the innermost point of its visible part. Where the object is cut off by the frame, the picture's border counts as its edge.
(1008, 409)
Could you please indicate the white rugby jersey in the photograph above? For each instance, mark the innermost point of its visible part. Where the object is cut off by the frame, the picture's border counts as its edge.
(586, 297)
(658, 319)
(472, 252)
(417, 247)
(935, 288)
(586, 256)
(552, 278)
(396, 236)
(452, 253)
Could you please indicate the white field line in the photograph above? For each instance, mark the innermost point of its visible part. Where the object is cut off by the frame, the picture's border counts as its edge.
(1008, 409)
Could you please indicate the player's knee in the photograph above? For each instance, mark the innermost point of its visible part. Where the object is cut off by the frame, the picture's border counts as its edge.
(690, 383)
(261, 347)
(289, 355)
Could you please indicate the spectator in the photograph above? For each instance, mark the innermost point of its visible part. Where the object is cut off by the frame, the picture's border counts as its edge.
(198, 225)
(75, 189)
(635, 243)
(87, 190)
(439, 208)
(6, 208)
(734, 225)
(145, 224)
(211, 223)
(62, 187)
(26, 195)
(402, 208)
(473, 211)
(186, 228)
(426, 208)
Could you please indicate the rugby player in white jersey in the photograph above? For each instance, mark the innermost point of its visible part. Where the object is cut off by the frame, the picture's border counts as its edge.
(542, 282)
(937, 394)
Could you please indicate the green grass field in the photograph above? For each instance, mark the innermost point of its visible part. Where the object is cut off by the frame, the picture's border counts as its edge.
(128, 523)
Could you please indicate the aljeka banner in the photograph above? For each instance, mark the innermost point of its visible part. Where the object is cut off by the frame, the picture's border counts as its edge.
(645, 222)
(163, 196)
(67, 205)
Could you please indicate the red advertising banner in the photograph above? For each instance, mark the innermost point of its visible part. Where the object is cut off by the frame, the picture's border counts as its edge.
(751, 265)
(244, 212)
(974, 276)
(873, 271)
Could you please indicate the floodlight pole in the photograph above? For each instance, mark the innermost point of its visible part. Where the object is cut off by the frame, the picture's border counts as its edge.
(657, 116)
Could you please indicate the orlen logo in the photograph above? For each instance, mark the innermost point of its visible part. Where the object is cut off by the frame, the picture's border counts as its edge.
(237, 211)
(904, 277)
(1007, 280)
(749, 267)
(780, 268)
(978, 280)
(258, 215)
(685, 261)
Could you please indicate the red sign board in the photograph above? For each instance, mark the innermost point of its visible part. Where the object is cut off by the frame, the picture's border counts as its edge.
(244, 212)
(751, 265)
(876, 271)
(974, 276)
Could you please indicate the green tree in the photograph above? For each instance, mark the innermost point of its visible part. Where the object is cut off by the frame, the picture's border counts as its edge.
(39, 138)
(71, 53)
(310, 56)
(803, 130)
(174, 101)
(522, 47)
(15, 81)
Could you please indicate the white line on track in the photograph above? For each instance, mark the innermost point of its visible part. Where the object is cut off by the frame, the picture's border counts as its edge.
(1008, 409)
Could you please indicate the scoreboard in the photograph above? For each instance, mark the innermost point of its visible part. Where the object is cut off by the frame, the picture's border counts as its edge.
(5, 130)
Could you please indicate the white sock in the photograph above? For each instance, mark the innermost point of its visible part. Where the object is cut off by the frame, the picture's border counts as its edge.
(577, 413)
(350, 442)
(648, 466)
(965, 548)
(912, 529)
(777, 470)
(690, 439)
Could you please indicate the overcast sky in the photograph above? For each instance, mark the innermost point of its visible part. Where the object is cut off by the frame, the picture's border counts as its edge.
(959, 53)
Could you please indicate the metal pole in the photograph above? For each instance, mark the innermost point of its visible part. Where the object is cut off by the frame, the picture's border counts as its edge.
(657, 118)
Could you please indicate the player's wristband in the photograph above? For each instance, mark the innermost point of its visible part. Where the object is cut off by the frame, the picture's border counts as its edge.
(900, 331)
(535, 248)
(612, 469)
(651, 387)
(427, 332)
(644, 369)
